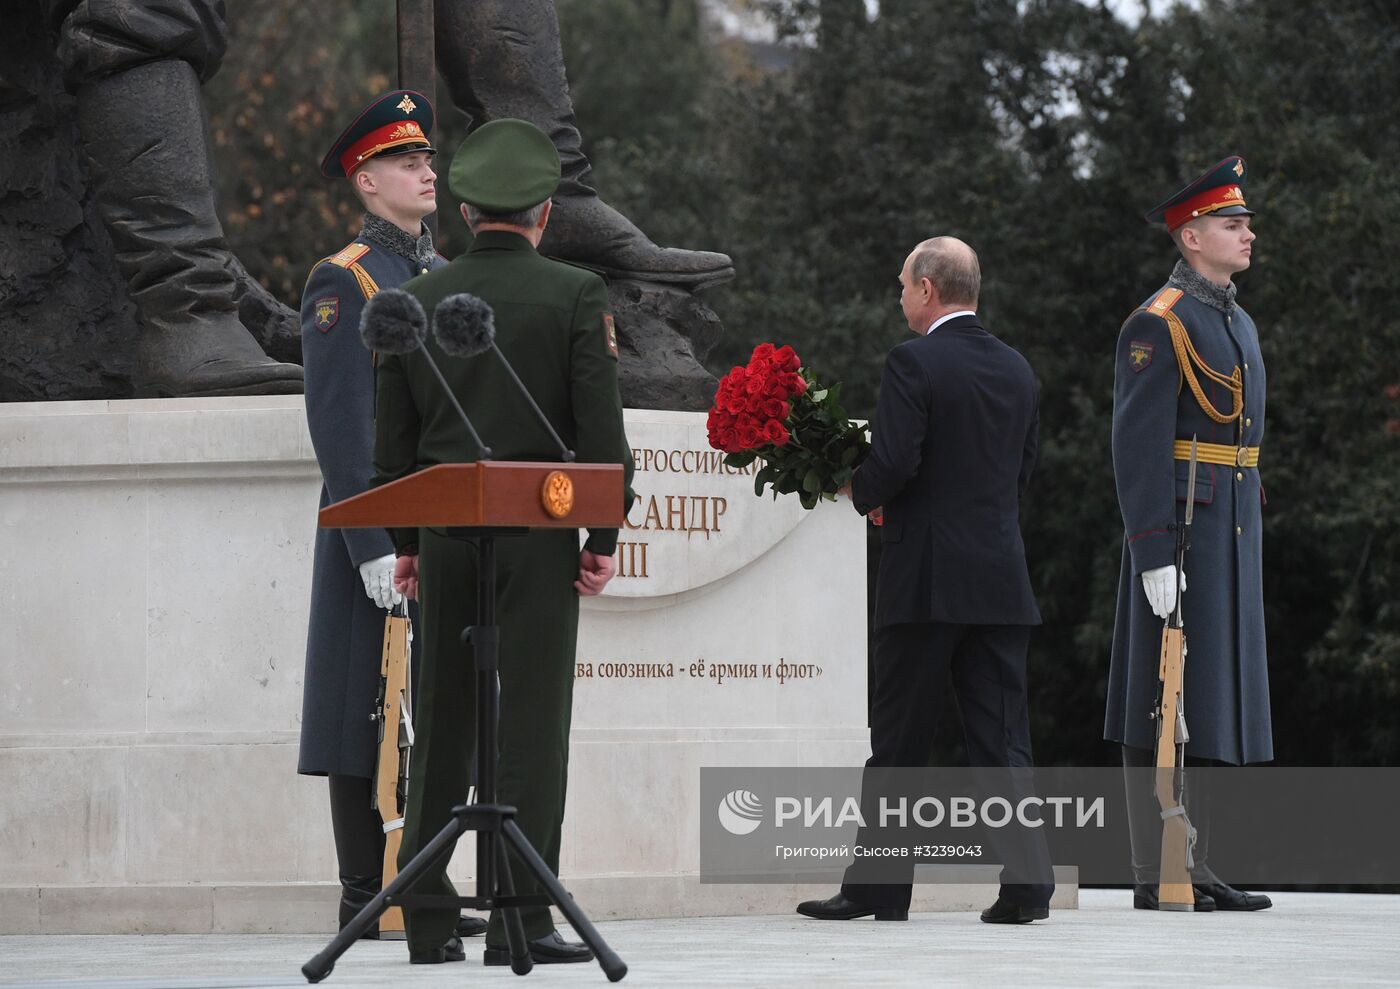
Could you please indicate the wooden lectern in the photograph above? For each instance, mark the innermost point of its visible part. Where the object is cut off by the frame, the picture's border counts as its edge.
(494, 494)
(482, 501)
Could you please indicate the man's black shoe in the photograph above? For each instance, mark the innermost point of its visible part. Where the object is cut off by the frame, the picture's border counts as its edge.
(1004, 911)
(469, 926)
(1145, 898)
(840, 908)
(452, 951)
(1226, 897)
(548, 950)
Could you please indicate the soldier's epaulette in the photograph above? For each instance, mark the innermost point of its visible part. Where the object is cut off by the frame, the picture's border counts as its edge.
(1162, 305)
(348, 255)
(349, 258)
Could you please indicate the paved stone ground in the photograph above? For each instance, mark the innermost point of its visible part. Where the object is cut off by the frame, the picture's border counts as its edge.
(1308, 939)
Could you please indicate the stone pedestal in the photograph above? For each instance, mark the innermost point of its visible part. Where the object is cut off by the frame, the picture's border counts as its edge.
(156, 578)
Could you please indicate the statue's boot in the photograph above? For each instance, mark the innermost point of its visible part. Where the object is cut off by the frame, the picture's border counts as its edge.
(502, 58)
(143, 130)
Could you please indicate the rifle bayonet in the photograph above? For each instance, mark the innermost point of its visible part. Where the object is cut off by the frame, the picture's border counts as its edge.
(1191, 490)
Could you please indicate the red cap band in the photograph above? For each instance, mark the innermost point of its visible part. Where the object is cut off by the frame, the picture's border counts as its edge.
(1203, 204)
(389, 136)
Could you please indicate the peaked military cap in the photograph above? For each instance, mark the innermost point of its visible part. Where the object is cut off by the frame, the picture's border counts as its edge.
(505, 166)
(394, 124)
(1219, 192)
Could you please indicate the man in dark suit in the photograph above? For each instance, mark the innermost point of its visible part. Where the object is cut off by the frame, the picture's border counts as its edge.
(953, 449)
(553, 325)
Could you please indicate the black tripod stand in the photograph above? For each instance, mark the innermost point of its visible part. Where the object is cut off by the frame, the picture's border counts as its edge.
(494, 823)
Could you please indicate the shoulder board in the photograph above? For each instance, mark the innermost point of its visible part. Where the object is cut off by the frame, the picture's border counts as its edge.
(367, 285)
(1162, 305)
(349, 255)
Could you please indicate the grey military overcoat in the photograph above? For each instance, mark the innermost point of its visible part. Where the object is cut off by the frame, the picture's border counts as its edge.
(345, 637)
(1226, 670)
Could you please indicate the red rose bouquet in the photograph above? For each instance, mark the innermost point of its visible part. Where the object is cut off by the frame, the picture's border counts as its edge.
(775, 410)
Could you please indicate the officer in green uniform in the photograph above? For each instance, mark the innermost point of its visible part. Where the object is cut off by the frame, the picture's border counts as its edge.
(553, 325)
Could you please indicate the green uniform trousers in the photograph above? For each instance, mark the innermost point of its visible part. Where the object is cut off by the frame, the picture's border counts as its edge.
(538, 616)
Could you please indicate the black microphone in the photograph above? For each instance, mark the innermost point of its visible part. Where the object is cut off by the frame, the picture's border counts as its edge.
(465, 326)
(394, 323)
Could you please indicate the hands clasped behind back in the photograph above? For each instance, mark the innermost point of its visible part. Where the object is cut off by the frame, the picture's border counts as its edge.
(594, 572)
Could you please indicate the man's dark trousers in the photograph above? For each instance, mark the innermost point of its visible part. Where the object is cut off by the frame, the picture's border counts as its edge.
(538, 615)
(987, 665)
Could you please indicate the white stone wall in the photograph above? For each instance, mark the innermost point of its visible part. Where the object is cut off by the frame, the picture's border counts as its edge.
(155, 575)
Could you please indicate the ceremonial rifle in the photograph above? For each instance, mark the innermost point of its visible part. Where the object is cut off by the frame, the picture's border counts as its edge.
(1174, 890)
(393, 711)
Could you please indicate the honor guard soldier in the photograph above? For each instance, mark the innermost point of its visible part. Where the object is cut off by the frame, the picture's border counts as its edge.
(386, 156)
(1188, 365)
(552, 324)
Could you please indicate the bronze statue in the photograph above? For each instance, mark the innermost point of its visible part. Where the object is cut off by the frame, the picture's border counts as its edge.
(135, 68)
(502, 58)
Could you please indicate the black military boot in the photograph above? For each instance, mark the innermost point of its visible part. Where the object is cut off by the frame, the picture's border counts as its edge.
(1226, 897)
(355, 894)
(1201, 785)
(359, 845)
(503, 59)
(1207, 883)
(144, 133)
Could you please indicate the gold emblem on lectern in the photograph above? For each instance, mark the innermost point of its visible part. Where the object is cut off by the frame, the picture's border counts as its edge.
(557, 494)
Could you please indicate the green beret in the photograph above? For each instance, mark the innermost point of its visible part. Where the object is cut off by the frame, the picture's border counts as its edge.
(504, 167)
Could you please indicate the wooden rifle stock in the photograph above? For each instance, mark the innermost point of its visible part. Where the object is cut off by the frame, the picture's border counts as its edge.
(1174, 890)
(394, 714)
(1174, 880)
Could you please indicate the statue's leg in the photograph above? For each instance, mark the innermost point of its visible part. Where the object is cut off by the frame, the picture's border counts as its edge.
(135, 67)
(502, 58)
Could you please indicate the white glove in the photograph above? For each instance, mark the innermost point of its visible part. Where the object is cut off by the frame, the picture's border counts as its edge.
(1157, 585)
(378, 576)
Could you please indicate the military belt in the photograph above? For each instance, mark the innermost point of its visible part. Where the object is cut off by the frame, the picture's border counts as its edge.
(1218, 453)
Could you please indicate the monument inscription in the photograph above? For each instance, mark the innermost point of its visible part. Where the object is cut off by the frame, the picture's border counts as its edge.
(696, 519)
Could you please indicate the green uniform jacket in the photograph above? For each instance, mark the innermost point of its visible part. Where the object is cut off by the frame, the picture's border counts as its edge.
(552, 324)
